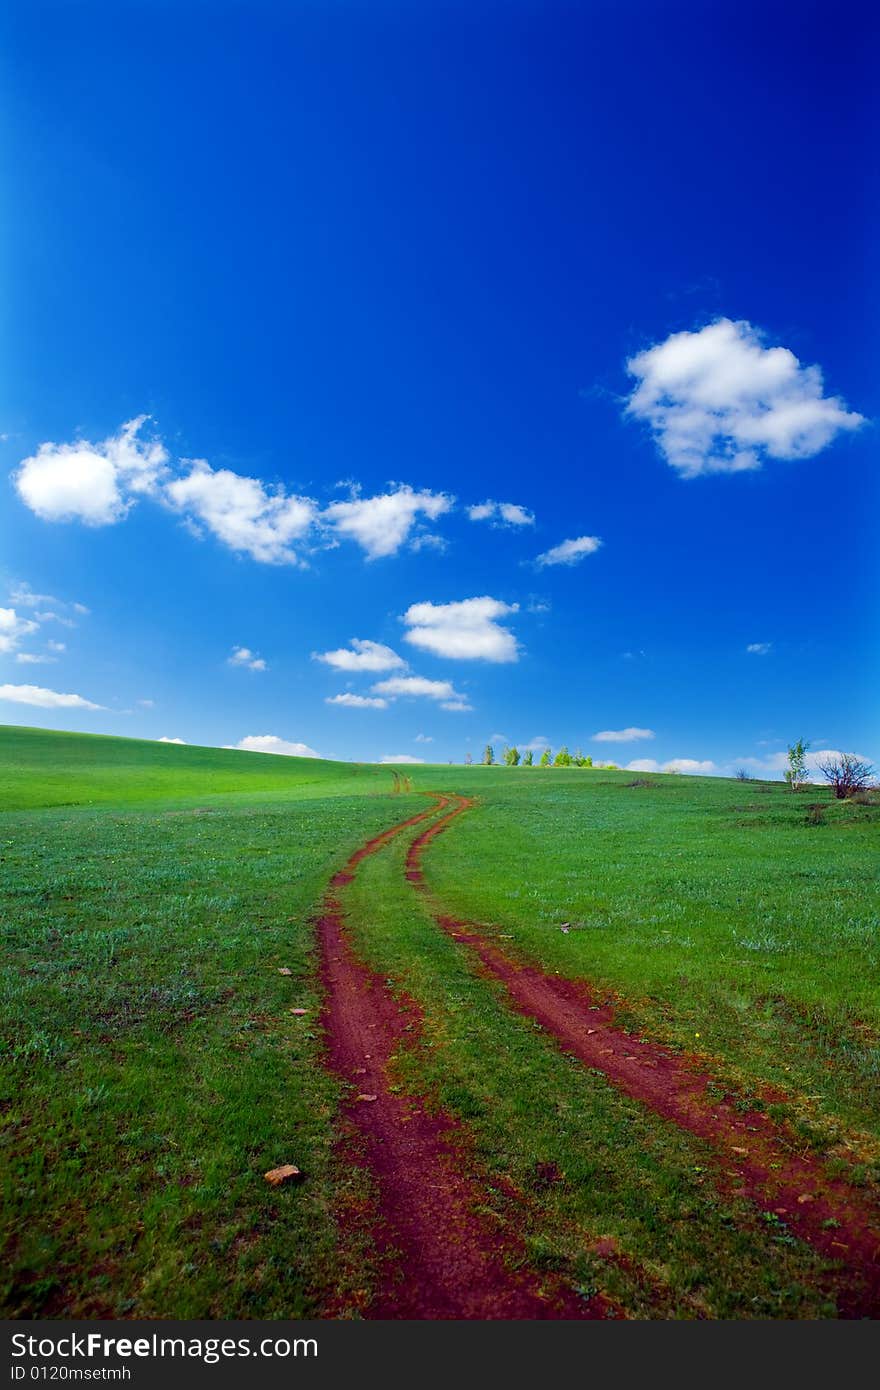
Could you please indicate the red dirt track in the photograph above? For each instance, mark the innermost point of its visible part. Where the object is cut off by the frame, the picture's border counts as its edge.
(760, 1159)
(442, 1258)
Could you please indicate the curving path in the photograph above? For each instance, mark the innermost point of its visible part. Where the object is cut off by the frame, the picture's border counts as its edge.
(760, 1158)
(441, 1259)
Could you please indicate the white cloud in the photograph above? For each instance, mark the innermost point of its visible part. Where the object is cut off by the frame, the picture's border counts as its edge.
(424, 738)
(467, 631)
(50, 617)
(417, 686)
(94, 483)
(361, 655)
(242, 512)
(759, 648)
(172, 740)
(13, 628)
(147, 704)
(535, 745)
(356, 701)
(778, 762)
(44, 699)
(99, 483)
(482, 511)
(429, 541)
(824, 755)
(456, 706)
(270, 743)
(502, 514)
(498, 738)
(688, 765)
(23, 594)
(381, 524)
(401, 758)
(243, 656)
(622, 735)
(718, 401)
(569, 552)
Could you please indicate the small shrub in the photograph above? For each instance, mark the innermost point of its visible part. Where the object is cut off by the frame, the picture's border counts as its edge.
(815, 815)
(742, 775)
(868, 797)
(796, 772)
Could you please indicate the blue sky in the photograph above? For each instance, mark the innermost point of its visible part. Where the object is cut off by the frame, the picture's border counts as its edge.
(374, 266)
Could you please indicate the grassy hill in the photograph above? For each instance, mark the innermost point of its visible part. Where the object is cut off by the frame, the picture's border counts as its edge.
(42, 767)
(151, 1069)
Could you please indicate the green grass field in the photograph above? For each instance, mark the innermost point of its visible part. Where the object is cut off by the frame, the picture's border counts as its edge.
(728, 921)
(152, 1070)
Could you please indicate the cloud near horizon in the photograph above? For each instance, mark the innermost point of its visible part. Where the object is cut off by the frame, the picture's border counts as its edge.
(271, 743)
(468, 630)
(718, 401)
(42, 698)
(778, 762)
(693, 766)
(630, 735)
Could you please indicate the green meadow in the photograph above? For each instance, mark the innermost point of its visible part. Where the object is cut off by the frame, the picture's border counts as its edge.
(152, 1070)
(733, 918)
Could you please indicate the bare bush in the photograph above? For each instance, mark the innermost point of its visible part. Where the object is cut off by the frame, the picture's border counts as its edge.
(847, 774)
(742, 775)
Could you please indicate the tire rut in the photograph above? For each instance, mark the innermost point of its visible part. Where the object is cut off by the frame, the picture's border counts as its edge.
(760, 1160)
(443, 1255)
